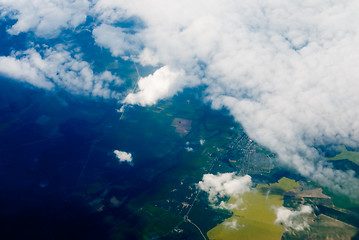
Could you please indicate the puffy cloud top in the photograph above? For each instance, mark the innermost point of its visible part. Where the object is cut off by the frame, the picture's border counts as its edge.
(225, 185)
(164, 83)
(45, 17)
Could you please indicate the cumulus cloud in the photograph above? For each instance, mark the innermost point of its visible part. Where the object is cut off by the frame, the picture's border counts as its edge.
(163, 83)
(285, 70)
(293, 219)
(225, 185)
(23, 70)
(46, 18)
(123, 156)
(58, 68)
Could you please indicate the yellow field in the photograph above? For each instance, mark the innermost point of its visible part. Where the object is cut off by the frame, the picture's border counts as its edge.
(254, 218)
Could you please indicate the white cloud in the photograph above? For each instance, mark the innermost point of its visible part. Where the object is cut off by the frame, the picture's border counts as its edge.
(163, 83)
(58, 68)
(286, 70)
(23, 70)
(123, 156)
(292, 219)
(116, 39)
(224, 185)
(44, 17)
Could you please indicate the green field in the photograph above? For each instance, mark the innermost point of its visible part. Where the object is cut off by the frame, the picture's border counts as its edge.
(345, 154)
(255, 217)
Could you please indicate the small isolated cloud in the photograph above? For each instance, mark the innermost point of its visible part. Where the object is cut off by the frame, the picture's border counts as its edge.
(123, 156)
(46, 18)
(224, 185)
(293, 219)
(58, 68)
(201, 141)
(189, 149)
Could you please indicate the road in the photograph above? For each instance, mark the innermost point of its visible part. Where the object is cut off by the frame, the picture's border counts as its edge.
(186, 219)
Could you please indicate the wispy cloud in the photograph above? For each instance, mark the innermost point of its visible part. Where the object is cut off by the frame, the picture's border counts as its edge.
(232, 224)
(120, 42)
(57, 67)
(293, 219)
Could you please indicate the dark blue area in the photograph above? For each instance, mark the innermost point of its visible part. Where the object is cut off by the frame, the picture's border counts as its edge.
(9, 42)
(57, 162)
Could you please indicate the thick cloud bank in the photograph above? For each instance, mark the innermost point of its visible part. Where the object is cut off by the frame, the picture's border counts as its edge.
(293, 219)
(286, 70)
(58, 68)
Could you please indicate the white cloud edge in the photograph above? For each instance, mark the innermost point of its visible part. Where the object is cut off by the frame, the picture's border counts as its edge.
(225, 185)
(123, 156)
(293, 219)
(57, 67)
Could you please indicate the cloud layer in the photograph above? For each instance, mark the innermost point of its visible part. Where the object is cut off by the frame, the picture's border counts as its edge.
(285, 70)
